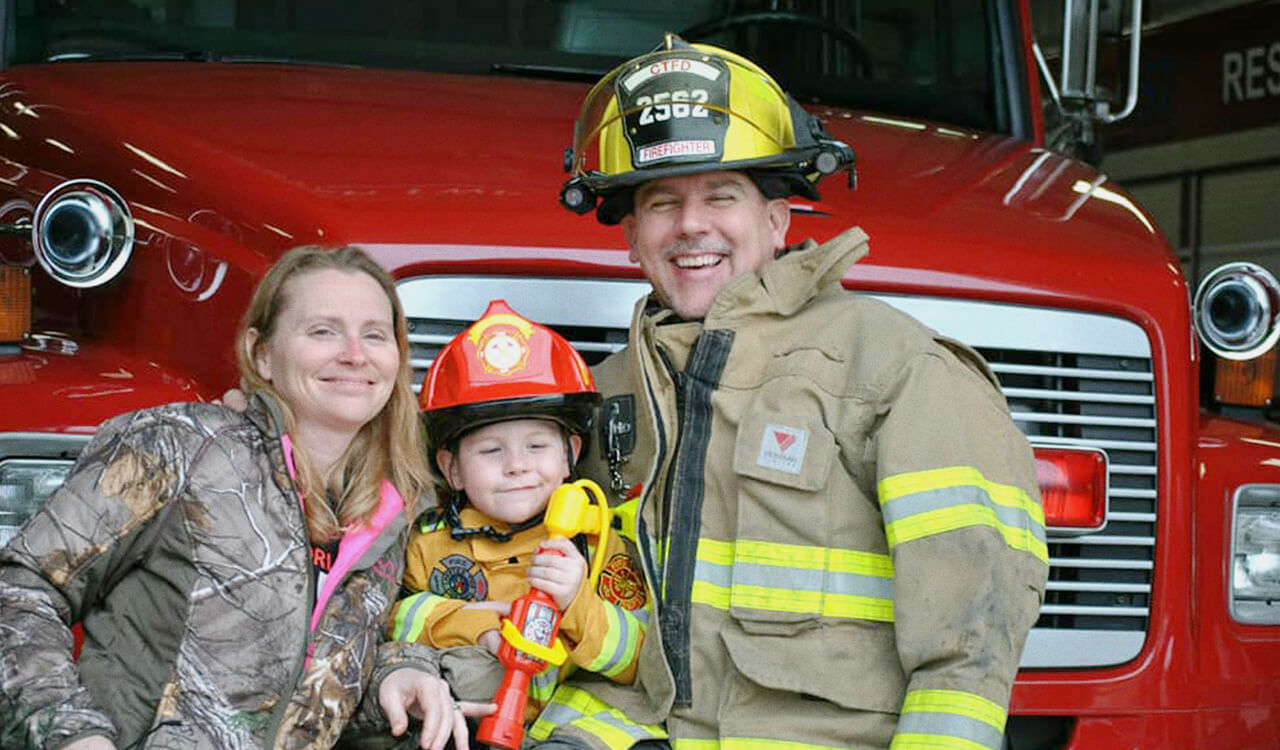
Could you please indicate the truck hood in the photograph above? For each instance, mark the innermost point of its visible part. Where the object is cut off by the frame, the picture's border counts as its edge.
(283, 155)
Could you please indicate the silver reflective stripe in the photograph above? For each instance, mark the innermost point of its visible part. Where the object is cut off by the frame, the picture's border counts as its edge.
(798, 579)
(950, 725)
(621, 624)
(562, 715)
(405, 624)
(543, 684)
(794, 579)
(914, 504)
(716, 575)
(419, 601)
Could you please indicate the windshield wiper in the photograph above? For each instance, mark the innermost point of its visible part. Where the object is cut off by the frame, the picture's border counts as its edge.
(191, 56)
(553, 72)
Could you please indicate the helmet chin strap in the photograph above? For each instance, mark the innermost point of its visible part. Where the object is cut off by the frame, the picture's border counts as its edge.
(453, 516)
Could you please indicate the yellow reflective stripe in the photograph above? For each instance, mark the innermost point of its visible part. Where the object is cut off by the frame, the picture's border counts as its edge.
(827, 605)
(915, 482)
(956, 702)
(432, 524)
(543, 684)
(950, 719)
(609, 645)
(716, 552)
(746, 743)
(963, 516)
(571, 706)
(858, 607)
(862, 563)
(825, 581)
(411, 613)
(796, 556)
(934, 501)
(834, 605)
(622, 636)
(933, 742)
(607, 733)
(710, 595)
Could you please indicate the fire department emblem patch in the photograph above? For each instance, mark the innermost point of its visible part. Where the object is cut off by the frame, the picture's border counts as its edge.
(458, 577)
(621, 583)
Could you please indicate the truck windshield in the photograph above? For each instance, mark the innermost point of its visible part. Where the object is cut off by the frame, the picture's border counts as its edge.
(928, 59)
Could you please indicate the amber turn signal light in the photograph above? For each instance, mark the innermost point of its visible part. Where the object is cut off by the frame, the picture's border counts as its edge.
(1249, 382)
(15, 303)
(1073, 487)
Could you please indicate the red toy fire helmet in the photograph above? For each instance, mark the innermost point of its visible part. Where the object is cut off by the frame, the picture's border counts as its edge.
(503, 367)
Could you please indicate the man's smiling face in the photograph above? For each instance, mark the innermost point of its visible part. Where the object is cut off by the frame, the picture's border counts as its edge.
(693, 233)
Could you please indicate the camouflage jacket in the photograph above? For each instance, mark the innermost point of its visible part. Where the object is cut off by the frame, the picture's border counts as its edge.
(179, 543)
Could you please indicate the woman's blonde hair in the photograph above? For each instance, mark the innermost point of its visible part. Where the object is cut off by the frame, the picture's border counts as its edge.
(390, 446)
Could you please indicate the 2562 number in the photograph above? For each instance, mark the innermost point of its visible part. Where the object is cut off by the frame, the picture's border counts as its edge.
(666, 105)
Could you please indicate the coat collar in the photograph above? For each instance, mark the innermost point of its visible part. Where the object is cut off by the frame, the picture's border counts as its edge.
(786, 284)
(782, 287)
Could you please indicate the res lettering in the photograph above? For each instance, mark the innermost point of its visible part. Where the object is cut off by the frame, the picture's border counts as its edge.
(666, 105)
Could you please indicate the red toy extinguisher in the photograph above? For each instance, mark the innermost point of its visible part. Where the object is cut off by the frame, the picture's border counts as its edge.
(529, 634)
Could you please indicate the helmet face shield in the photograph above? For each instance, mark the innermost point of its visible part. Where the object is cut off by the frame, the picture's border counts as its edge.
(682, 110)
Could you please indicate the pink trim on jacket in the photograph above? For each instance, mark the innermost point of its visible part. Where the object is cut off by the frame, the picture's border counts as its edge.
(355, 542)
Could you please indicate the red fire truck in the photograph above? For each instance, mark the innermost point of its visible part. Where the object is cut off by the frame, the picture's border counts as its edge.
(157, 155)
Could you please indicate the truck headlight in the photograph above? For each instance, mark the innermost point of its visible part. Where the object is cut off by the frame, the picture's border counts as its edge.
(82, 233)
(25, 483)
(1237, 309)
(1255, 555)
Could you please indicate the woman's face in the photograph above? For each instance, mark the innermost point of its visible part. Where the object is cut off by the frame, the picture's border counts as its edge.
(333, 356)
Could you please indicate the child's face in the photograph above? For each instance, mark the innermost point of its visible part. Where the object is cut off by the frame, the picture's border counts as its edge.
(509, 469)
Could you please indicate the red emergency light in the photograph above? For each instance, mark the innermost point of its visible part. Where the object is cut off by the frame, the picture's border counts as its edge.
(1073, 487)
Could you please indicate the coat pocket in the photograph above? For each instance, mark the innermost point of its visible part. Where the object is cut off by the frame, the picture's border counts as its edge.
(777, 568)
(854, 666)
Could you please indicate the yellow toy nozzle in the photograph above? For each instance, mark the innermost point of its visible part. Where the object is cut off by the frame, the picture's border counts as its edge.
(570, 511)
(556, 654)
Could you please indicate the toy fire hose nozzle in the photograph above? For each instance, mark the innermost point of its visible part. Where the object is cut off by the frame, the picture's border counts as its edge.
(529, 635)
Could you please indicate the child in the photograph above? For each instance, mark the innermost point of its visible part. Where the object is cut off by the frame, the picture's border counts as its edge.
(508, 408)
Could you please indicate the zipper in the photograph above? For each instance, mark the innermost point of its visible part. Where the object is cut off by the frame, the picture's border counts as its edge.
(277, 713)
(664, 509)
(683, 498)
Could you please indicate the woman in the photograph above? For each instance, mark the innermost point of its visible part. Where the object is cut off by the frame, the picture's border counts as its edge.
(233, 572)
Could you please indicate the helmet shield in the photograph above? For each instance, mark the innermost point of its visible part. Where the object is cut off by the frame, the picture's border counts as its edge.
(673, 111)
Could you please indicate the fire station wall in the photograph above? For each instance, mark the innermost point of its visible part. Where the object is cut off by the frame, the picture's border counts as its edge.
(1215, 198)
(1202, 150)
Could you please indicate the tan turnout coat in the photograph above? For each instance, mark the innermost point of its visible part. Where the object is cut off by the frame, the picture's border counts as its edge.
(844, 527)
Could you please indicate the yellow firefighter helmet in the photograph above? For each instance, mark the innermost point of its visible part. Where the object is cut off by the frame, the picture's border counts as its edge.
(688, 108)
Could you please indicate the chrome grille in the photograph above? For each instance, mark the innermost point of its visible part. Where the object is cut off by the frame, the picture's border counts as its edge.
(593, 314)
(1071, 378)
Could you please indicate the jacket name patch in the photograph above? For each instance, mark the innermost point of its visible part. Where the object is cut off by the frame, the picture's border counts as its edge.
(782, 448)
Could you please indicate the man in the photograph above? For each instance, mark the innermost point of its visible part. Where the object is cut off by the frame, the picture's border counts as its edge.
(845, 541)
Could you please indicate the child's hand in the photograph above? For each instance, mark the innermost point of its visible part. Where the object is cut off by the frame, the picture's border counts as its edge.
(558, 575)
(491, 640)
